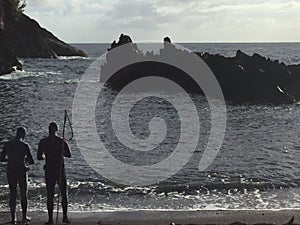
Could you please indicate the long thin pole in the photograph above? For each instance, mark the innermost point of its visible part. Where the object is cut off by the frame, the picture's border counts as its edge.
(61, 165)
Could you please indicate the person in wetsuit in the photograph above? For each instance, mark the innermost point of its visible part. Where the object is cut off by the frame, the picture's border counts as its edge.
(18, 154)
(53, 149)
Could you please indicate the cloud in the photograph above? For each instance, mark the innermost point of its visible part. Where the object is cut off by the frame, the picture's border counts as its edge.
(183, 20)
(67, 7)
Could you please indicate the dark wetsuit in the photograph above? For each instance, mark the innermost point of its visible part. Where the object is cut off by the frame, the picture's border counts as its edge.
(51, 147)
(17, 152)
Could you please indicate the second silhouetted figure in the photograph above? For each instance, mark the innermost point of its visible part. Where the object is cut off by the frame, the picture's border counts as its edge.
(54, 149)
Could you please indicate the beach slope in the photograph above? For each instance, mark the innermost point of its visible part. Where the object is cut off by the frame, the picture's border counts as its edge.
(164, 217)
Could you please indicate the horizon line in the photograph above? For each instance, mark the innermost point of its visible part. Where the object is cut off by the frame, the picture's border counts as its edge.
(204, 42)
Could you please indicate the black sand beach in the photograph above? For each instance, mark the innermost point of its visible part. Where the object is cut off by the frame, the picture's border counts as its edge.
(149, 217)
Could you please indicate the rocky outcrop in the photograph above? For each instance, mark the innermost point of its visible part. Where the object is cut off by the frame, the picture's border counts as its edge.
(243, 78)
(123, 39)
(255, 79)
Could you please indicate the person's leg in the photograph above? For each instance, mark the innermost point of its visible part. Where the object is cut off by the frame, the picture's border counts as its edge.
(12, 182)
(22, 180)
(64, 197)
(50, 185)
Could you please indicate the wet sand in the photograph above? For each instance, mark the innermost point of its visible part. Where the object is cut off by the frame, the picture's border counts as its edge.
(150, 217)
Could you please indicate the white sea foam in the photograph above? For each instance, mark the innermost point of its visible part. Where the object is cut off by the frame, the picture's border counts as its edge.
(71, 57)
(24, 74)
(14, 75)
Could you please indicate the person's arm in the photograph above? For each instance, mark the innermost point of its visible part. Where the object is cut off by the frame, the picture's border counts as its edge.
(29, 157)
(67, 151)
(3, 154)
(40, 152)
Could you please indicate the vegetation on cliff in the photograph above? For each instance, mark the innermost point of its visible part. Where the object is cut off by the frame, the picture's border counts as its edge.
(13, 8)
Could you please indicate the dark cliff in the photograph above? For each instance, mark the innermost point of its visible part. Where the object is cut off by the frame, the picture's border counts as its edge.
(8, 60)
(23, 37)
(28, 40)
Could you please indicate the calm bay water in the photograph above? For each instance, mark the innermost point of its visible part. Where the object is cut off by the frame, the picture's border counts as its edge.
(257, 166)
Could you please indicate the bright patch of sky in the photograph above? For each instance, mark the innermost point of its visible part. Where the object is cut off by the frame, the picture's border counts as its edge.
(79, 21)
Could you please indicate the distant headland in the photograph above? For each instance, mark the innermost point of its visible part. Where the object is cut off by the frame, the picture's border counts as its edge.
(23, 37)
(243, 79)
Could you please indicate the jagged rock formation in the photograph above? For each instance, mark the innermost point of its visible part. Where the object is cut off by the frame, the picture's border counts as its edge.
(123, 39)
(255, 79)
(243, 78)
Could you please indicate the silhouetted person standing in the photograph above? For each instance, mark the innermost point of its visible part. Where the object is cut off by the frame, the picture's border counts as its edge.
(18, 154)
(54, 149)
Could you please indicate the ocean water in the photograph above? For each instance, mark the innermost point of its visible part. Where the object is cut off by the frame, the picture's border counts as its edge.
(257, 166)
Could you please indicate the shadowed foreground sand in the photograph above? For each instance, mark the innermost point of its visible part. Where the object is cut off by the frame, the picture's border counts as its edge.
(148, 217)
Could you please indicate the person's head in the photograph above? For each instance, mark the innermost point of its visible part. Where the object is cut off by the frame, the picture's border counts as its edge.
(21, 131)
(53, 128)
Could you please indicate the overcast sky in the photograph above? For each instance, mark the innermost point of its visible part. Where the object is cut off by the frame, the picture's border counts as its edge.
(80, 21)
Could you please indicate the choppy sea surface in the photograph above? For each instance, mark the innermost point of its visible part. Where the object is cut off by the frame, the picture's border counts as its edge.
(258, 165)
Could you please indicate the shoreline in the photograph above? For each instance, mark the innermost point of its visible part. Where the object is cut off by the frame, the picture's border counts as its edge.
(166, 217)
